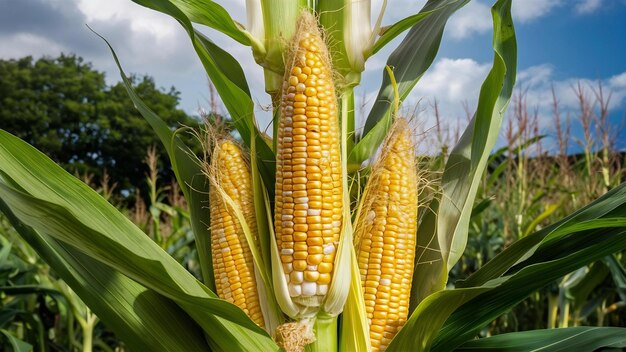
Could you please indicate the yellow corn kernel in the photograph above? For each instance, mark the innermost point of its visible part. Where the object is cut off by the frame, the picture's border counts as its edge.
(385, 236)
(308, 172)
(232, 259)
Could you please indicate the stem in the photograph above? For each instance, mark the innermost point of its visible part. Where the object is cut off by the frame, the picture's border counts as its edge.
(565, 316)
(325, 329)
(576, 317)
(553, 308)
(41, 334)
(273, 82)
(87, 324)
(102, 345)
(601, 313)
(155, 221)
(346, 119)
(347, 112)
(70, 331)
(87, 338)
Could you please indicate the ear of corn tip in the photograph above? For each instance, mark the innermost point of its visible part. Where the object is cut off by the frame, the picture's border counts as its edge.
(309, 189)
(233, 265)
(385, 233)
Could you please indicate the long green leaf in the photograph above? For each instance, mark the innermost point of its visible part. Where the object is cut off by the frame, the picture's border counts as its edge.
(188, 173)
(17, 344)
(572, 252)
(469, 157)
(409, 62)
(603, 207)
(466, 310)
(208, 13)
(227, 77)
(135, 313)
(388, 33)
(442, 235)
(55, 203)
(618, 273)
(580, 338)
(579, 293)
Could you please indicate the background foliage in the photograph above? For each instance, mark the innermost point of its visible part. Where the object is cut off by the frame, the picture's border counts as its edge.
(64, 107)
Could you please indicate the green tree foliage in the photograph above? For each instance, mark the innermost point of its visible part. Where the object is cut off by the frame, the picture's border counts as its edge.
(64, 107)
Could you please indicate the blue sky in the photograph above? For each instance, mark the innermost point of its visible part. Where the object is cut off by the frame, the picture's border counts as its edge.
(560, 42)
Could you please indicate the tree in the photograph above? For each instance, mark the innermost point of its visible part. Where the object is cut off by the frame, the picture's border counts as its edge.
(64, 107)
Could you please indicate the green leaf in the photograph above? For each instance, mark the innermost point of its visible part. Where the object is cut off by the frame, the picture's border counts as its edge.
(188, 174)
(610, 203)
(206, 12)
(17, 344)
(45, 197)
(354, 326)
(573, 250)
(549, 209)
(409, 62)
(469, 157)
(224, 73)
(229, 81)
(135, 313)
(466, 310)
(388, 33)
(618, 273)
(32, 289)
(580, 292)
(443, 233)
(570, 339)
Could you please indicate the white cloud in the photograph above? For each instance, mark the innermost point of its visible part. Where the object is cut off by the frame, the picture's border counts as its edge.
(540, 88)
(618, 81)
(25, 44)
(456, 82)
(528, 10)
(475, 17)
(141, 19)
(588, 6)
(535, 75)
(452, 82)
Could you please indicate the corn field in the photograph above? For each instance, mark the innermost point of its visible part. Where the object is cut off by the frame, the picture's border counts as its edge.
(322, 235)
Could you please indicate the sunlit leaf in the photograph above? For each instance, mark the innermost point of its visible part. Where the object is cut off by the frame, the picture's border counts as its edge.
(135, 313)
(15, 343)
(448, 318)
(409, 61)
(45, 197)
(227, 77)
(442, 234)
(570, 339)
(206, 12)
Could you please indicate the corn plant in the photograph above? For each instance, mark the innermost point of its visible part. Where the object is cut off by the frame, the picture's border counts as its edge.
(312, 246)
(39, 310)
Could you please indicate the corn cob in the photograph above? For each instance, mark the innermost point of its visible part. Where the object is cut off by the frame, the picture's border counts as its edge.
(308, 207)
(232, 259)
(385, 236)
